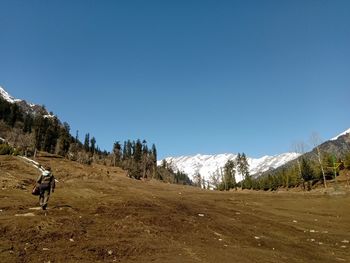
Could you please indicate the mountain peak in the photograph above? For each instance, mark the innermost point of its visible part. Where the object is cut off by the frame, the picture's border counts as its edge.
(4, 94)
(24, 105)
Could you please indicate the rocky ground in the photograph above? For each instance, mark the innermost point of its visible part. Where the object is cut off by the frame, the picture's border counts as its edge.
(97, 214)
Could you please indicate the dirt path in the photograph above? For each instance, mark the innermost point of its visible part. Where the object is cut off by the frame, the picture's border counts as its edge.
(99, 215)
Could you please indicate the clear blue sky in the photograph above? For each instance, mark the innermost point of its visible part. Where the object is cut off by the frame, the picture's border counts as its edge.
(190, 76)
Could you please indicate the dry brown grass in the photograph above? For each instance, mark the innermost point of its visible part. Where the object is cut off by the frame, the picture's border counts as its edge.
(97, 214)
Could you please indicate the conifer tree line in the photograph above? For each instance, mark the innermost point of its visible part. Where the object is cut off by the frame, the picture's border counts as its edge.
(30, 133)
(10, 113)
(167, 173)
(321, 166)
(304, 173)
(136, 157)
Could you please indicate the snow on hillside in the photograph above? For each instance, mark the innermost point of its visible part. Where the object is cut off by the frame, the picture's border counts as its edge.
(8, 97)
(26, 107)
(206, 165)
(343, 133)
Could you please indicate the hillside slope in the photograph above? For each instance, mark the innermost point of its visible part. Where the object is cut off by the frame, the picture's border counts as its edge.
(338, 146)
(97, 214)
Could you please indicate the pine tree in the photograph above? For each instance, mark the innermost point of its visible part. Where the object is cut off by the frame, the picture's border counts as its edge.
(154, 152)
(243, 169)
(64, 140)
(154, 159)
(244, 165)
(128, 149)
(124, 151)
(144, 147)
(14, 115)
(307, 172)
(87, 142)
(93, 145)
(28, 123)
(230, 175)
(116, 153)
(138, 151)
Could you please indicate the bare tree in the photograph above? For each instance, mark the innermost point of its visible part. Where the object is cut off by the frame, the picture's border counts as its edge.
(215, 179)
(197, 180)
(26, 142)
(299, 147)
(316, 141)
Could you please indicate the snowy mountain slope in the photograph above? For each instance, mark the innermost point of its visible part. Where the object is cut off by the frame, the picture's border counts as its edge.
(341, 134)
(206, 165)
(27, 107)
(4, 94)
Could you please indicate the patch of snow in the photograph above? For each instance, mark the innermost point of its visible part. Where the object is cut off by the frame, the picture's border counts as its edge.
(49, 116)
(343, 133)
(4, 94)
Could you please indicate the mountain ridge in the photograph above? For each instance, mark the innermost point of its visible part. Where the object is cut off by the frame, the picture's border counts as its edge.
(207, 165)
(24, 105)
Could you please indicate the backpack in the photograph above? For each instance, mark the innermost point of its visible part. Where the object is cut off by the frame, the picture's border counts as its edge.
(46, 179)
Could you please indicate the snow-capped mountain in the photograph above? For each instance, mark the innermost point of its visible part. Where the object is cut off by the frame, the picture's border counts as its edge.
(4, 94)
(341, 134)
(206, 165)
(27, 107)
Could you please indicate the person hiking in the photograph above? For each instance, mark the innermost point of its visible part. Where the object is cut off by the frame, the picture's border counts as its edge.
(46, 183)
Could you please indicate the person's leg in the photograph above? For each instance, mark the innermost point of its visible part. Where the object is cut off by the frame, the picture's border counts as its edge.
(46, 199)
(41, 199)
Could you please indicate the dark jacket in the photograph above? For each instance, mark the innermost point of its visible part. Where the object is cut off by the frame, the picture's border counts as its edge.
(46, 181)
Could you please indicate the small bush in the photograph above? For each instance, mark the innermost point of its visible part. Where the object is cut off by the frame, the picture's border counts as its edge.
(6, 149)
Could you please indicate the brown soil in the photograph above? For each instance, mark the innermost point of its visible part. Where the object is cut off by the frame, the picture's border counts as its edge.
(97, 214)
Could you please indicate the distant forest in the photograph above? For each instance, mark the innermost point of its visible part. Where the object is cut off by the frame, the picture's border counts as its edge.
(320, 166)
(28, 133)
